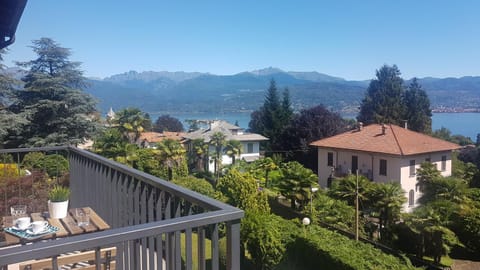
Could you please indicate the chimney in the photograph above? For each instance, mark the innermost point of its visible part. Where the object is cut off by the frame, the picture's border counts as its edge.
(384, 129)
(406, 124)
(360, 126)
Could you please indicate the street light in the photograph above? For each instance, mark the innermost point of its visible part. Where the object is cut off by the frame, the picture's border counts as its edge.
(313, 190)
(305, 222)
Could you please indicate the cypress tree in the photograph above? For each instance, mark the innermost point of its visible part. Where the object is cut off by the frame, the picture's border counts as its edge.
(418, 112)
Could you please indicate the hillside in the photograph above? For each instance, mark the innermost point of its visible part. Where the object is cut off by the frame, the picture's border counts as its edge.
(192, 92)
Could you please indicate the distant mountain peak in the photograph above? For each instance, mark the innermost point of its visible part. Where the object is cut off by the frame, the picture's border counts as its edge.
(266, 71)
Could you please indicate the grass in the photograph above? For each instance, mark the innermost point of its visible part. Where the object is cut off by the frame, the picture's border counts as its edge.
(208, 249)
(444, 261)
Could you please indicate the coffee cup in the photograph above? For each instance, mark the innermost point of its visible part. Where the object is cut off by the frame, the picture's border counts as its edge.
(22, 223)
(39, 226)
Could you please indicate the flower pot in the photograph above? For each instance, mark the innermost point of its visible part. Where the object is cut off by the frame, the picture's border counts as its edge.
(58, 209)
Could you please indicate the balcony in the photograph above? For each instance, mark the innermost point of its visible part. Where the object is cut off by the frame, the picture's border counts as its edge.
(152, 221)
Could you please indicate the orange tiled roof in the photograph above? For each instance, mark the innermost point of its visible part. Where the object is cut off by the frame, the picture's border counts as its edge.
(153, 137)
(395, 141)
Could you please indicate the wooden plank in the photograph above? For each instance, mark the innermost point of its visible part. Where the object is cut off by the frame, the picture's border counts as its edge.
(71, 225)
(97, 220)
(62, 232)
(86, 228)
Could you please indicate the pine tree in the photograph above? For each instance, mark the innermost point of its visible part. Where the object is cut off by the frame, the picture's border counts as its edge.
(57, 110)
(418, 112)
(383, 102)
(273, 117)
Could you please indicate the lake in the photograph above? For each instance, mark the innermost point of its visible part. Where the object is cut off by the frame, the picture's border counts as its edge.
(466, 124)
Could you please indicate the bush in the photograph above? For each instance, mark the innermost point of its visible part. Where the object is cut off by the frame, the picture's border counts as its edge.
(334, 251)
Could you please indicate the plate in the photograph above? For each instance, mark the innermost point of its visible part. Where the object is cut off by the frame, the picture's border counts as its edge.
(45, 230)
(18, 229)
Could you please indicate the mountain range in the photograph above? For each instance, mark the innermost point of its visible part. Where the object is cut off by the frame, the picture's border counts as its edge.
(194, 92)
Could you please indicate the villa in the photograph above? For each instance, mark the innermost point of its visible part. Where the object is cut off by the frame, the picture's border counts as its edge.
(383, 153)
(250, 141)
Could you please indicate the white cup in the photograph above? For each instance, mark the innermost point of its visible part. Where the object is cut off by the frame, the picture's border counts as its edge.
(22, 223)
(39, 226)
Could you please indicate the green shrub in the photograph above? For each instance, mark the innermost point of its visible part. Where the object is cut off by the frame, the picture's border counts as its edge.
(331, 250)
(59, 194)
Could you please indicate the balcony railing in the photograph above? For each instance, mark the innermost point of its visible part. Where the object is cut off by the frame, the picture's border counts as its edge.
(153, 221)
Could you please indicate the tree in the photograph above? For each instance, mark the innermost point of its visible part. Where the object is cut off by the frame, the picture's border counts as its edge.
(387, 199)
(57, 110)
(198, 155)
(217, 140)
(383, 101)
(426, 174)
(172, 155)
(131, 122)
(418, 111)
(345, 189)
(233, 149)
(109, 143)
(267, 165)
(270, 119)
(241, 191)
(167, 123)
(296, 183)
(306, 127)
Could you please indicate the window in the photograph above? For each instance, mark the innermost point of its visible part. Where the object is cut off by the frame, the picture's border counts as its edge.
(412, 167)
(383, 167)
(411, 198)
(444, 163)
(427, 160)
(330, 159)
(250, 148)
(354, 164)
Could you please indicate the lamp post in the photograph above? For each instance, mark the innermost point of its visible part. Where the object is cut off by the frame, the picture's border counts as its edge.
(313, 190)
(305, 222)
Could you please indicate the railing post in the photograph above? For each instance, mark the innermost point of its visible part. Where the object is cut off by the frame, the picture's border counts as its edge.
(233, 245)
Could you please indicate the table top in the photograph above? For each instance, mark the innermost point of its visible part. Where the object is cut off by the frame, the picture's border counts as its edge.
(67, 226)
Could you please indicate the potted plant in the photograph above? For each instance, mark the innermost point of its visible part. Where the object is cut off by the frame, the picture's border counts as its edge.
(58, 201)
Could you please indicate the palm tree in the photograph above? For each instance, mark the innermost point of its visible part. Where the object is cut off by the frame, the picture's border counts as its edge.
(217, 140)
(199, 154)
(172, 154)
(131, 122)
(296, 183)
(267, 164)
(387, 199)
(233, 148)
(345, 189)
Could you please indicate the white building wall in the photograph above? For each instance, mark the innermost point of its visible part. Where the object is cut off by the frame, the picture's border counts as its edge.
(226, 160)
(398, 168)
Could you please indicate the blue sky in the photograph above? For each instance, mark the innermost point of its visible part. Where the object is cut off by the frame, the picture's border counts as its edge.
(349, 39)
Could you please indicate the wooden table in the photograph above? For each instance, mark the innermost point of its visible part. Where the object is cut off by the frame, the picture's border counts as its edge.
(67, 226)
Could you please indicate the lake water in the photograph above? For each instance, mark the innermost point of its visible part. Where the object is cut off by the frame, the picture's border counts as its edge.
(466, 124)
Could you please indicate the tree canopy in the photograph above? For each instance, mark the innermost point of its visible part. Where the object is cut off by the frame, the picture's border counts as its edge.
(271, 119)
(388, 101)
(55, 109)
(167, 123)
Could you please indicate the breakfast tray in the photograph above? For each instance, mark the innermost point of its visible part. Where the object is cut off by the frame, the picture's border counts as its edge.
(27, 234)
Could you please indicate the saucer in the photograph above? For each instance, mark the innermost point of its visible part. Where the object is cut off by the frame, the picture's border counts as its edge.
(18, 229)
(30, 231)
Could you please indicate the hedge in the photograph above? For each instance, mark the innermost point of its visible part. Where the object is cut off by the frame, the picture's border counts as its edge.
(324, 249)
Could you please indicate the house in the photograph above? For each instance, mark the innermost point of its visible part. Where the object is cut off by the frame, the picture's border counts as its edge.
(383, 153)
(150, 139)
(250, 141)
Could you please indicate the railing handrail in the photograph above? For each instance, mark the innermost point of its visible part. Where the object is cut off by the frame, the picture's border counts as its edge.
(192, 196)
(197, 198)
(9, 255)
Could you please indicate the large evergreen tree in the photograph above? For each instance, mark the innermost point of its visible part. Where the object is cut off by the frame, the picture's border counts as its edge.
(418, 111)
(271, 119)
(57, 110)
(384, 102)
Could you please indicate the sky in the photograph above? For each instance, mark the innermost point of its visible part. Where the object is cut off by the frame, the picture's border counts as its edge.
(348, 39)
